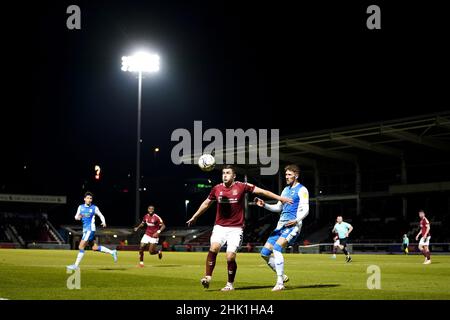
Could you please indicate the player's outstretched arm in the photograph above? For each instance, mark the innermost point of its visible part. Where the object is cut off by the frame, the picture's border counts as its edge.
(271, 207)
(201, 210)
(271, 195)
(138, 227)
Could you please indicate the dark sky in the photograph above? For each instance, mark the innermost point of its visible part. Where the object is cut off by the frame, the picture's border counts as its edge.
(67, 105)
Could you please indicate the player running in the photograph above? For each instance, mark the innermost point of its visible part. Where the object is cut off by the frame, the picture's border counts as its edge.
(426, 236)
(229, 224)
(86, 213)
(405, 243)
(289, 224)
(343, 230)
(155, 226)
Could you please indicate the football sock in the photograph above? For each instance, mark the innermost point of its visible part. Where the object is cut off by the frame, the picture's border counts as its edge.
(210, 262)
(141, 255)
(104, 249)
(266, 254)
(279, 262)
(345, 251)
(79, 257)
(232, 267)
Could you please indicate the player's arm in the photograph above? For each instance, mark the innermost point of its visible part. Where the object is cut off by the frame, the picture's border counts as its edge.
(100, 215)
(78, 214)
(302, 209)
(427, 230)
(201, 210)
(162, 226)
(271, 195)
(271, 207)
(350, 229)
(420, 232)
(139, 226)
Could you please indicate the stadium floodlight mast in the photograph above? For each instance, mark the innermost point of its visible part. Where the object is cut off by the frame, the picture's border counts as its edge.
(140, 62)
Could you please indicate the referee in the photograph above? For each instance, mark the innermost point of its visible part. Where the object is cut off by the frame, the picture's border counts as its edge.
(343, 230)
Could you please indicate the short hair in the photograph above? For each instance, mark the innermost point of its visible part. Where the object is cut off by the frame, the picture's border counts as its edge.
(229, 166)
(292, 167)
(152, 206)
(88, 194)
(421, 210)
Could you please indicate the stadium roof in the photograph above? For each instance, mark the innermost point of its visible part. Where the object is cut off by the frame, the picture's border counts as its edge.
(393, 139)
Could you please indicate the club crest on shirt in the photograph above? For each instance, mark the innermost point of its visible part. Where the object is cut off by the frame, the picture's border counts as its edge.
(235, 192)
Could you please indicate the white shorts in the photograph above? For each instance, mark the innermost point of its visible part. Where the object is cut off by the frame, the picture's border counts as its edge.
(147, 239)
(232, 236)
(336, 243)
(424, 241)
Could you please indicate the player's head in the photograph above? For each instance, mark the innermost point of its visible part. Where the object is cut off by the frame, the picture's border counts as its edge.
(405, 236)
(421, 214)
(88, 196)
(228, 174)
(292, 172)
(151, 209)
(339, 219)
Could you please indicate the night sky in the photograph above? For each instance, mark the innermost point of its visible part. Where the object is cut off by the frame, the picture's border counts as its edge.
(68, 106)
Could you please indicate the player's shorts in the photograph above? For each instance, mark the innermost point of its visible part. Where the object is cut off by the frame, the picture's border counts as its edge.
(147, 239)
(232, 236)
(425, 241)
(404, 246)
(343, 242)
(88, 236)
(336, 243)
(290, 234)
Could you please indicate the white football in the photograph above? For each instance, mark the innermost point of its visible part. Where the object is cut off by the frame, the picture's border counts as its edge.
(206, 162)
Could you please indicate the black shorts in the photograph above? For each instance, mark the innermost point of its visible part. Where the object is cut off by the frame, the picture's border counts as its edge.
(343, 241)
(405, 246)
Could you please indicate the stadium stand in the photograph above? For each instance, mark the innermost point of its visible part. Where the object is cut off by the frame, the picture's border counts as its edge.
(29, 230)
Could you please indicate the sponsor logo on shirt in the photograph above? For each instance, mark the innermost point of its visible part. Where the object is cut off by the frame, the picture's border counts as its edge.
(228, 200)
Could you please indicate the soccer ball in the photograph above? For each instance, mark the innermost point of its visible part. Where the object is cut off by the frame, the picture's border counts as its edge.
(206, 162)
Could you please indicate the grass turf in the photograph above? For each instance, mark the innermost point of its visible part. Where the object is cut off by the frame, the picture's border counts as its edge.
(41, 274)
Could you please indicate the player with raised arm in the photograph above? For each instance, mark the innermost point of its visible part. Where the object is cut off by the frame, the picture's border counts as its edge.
(425, 234)
(155, 226)
(86, 213)
(289, 224)
(229, 224)
(343, 230)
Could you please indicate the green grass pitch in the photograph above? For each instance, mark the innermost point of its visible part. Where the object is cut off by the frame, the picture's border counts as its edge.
(41, 274)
